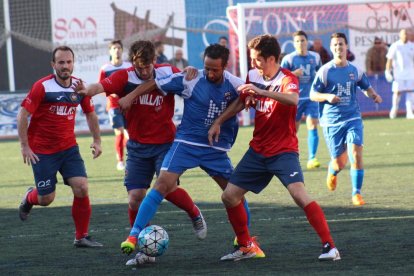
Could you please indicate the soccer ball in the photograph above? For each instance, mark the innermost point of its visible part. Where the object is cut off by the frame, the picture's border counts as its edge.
(153, 240)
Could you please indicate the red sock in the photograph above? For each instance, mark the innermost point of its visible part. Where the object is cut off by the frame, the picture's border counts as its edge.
(81, 213)
(32, 197)
(132, 215)
(182, 200)
(238, 219)
(316, 218)
(119, 146)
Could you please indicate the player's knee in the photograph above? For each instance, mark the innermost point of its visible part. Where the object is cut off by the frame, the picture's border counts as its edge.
(135, 197)
(228, 199)
(46, 200)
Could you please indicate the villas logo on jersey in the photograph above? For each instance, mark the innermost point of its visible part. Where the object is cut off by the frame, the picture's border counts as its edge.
(63, 110)
(152, 100)
(264, 106)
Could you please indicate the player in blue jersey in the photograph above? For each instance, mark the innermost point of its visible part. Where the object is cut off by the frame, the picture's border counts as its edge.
(335, 88)
(304, 64)
(205, 98)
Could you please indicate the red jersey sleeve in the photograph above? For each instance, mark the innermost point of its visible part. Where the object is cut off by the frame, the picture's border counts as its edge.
(115, 83)
(290, 83)
(34, 97)
(87, 105)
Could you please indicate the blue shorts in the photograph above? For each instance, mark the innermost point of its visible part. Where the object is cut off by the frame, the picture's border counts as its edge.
(116, 118)
(182, 157)
(307, 108)
(68, 162)
(254, 171)
(143, 162)
(337, 137)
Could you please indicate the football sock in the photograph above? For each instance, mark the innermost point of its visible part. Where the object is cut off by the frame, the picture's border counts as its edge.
(182, 200)
(238, 219)
(32, 197)
(146, 211)
(132, 214)
(119, 146)
(331, 170)
(246, 207)
(81, 213)
(357, 177)
(313, 142)
(316, 218)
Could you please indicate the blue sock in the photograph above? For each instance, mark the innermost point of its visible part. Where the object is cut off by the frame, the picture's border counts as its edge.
(331, 170)
(313, 142)
(246, 206)
(146, 211)
(357, 177)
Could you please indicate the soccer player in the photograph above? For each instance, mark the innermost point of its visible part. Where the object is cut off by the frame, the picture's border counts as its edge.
(273, 150)
(399, 70)
(48, 142)
(116, 118)
(151, 132)
(304, 64)
(205, 98)
(335, 88)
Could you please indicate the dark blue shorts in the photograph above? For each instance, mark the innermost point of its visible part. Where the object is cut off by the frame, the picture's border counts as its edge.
(143, 162)
(254, 171)
(69, 163)
(182, 157)
(116, 118)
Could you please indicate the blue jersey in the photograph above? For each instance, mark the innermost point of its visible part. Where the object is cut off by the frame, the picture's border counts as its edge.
(203, 103)
(309, 64)
(343, 82)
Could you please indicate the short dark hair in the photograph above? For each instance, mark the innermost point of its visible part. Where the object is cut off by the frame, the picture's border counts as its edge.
(142, 50)
(340, 35)
(113, 42)
(300, 32)
(216, 51)
(158, 44)
(223, 37)
(267, 46)
(62, 48)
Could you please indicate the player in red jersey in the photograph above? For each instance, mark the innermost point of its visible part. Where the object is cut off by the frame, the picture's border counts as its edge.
(116, 117)
(273, 150)
(151, 133)
(48, 142)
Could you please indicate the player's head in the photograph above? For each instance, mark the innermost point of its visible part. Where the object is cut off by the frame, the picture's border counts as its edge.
(62, 62)
(404, 35)
(223, 41)
(215, 62)
(264, 54)
(142, 56)
(339, 46)
(300, 41)
(115, 50)
(159, 47)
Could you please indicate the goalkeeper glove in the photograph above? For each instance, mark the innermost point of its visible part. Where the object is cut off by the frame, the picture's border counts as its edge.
(388, 76)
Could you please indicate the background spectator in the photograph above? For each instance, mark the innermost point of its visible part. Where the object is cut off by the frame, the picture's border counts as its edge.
(318, 47)
(159, 51)
(178, 60)
(376, 58)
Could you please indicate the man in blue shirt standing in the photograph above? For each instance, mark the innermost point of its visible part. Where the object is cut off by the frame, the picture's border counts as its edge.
(335, 88)
(304, 64)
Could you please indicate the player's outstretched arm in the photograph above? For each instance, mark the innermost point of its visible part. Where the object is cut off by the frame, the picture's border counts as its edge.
(126, 102)
(285, 98)
(322, 97)
(91, 90)
(93, 124)
(29, 157)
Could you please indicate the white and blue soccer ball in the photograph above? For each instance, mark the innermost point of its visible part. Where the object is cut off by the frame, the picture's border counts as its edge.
(153, 241)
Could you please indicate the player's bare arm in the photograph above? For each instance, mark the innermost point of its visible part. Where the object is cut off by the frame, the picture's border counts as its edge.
(91, 90)
(93, 125)
(288, 98)
(126, 102)
(214, 132)
(322, 97)
(29, 157)
(370, 93)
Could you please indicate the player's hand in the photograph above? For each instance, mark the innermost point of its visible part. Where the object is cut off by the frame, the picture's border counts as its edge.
(29, 157)
(96, 149)
(377, 98)
(388, 76)
(332, 98)
(213, 134)
(125, 103)
(250, 101)
(79, 87)
(191, 73)
(251, 89)
(298, 72)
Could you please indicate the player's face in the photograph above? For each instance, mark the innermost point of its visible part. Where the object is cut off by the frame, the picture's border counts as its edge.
(301, 44)
(338, 48)
(144, 72)
(264, 66)
(214, 69)
(116, 52)
(63, 64)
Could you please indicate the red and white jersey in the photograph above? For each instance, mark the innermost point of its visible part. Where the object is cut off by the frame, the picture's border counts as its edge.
(149, 120)
(107, 70)
(53, 108)
(275, 130)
